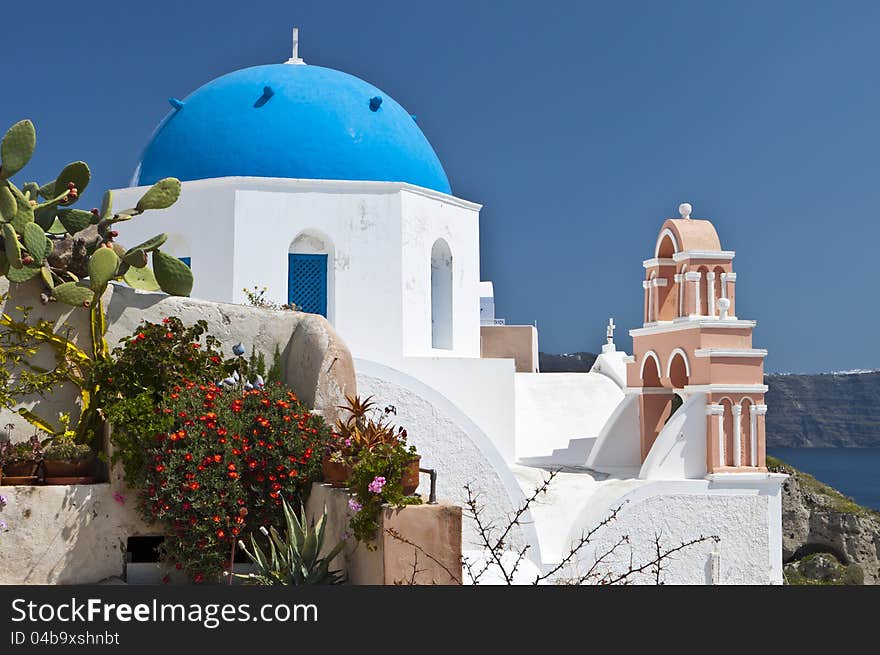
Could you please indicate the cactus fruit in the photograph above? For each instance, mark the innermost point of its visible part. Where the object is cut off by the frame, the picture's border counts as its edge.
(72, 293)
(174, 277)
(141, 278)
(16, 148)
(35, 240)
(8, 205)
(77, 174)
(161, 195)
(13, 249)
(102, 268)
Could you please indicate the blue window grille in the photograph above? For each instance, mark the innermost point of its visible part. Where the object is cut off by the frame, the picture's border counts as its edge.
(186, 260)
(307, 282)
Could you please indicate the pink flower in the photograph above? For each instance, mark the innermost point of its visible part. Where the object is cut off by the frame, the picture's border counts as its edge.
(119, 498)
(376, 485)
(354, 505)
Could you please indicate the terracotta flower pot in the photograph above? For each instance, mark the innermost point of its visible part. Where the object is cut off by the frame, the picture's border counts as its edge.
(67, 468)
(20, 469)
(410, 479)
(336, 474)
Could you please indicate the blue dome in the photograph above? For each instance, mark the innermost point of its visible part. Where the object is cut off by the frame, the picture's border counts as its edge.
(295, 121)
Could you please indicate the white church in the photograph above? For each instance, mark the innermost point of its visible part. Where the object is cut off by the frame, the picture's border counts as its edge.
(321, 187)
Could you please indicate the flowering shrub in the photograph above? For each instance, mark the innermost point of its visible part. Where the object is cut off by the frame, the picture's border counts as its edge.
(223, 466)
(23, 451)
(155, 358)
(375, 481)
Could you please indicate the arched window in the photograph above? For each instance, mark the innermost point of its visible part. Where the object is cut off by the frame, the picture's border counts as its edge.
(309, 272)
(728, 431)
(719, 293)
(747, 447)
(704, 291)
(650, 370)
(678, 370)
(441, 295)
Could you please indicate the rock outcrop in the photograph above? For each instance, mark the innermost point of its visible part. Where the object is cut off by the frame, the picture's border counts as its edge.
(817, 518)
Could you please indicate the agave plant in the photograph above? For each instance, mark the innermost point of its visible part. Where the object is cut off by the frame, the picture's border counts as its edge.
(294, 557)
(366, 426)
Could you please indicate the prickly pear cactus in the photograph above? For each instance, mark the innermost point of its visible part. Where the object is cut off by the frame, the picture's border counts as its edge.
(34, 217)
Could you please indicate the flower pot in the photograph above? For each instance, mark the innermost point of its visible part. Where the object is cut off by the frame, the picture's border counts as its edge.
(336, 474)
(68, 471)
(410, 479)
(23, 469)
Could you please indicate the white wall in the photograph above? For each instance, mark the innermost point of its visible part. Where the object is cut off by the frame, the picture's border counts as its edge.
(745, 515)
(680, 449)
(451, 442)
(426, 219)
(617, 446)
(483, 389)
(553, 408)
(200, 225)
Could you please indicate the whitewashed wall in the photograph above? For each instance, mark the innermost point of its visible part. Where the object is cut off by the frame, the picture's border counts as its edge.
(426, 219)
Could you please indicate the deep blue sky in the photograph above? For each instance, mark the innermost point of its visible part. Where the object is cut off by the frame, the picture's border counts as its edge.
(579, 125)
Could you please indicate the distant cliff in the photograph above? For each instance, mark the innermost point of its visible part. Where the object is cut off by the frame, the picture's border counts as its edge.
(818, 410)
(829, 409)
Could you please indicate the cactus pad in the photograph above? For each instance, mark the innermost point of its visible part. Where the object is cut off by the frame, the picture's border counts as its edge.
(141, 278)
(75, 220)
(23, 216)
(13, 250)
(22, 274)
(161, 195)
(78, 173)
(102, 268)
(46, 274)
(17, 147)
(35, 241)
(106, 204)
(136, 258)
(174, 277)
(72, 293)
(8, 205)
(151, 244)
(4, 263)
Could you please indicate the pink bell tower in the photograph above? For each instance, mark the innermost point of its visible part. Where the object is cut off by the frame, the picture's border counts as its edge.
(692, 343)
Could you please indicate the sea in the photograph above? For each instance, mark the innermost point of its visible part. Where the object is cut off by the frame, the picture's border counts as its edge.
(854, 472)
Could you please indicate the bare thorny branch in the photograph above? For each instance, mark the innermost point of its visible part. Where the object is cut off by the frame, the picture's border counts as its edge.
(598, 573)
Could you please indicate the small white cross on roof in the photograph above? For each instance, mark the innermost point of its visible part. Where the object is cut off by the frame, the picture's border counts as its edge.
(609, 331)
(295, 59)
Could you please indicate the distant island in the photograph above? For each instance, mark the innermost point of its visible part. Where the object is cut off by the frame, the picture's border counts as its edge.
(833, 410)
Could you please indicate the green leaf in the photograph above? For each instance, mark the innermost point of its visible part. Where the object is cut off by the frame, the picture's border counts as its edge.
(22, 274)
(174, 277)
(141, 278)
(151, 244)
(78, 173)
(107, 204)
(8, 205)
(35, 241)
(13, 249)
(72, 293)
(161, 195)
(102, 268)
(17, 148)
(75, 220)
(23, 215)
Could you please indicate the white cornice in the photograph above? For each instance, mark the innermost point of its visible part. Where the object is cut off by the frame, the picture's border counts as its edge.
(726, 388)
(291, 185)
(730, 352)
(657, 261)
(703, 254)
(691, 324)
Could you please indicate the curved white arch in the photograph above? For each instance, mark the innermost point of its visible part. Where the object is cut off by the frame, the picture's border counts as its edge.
(666, 232)
(645, 357)
(687, 364)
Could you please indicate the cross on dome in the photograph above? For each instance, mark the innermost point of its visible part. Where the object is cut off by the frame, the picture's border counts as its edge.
(609, 331)
(295, 59)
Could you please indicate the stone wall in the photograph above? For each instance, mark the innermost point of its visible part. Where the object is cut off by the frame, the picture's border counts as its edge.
(317, 363)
